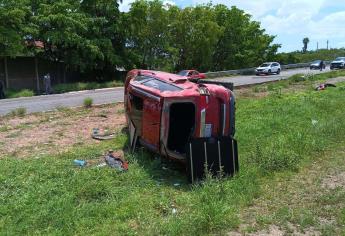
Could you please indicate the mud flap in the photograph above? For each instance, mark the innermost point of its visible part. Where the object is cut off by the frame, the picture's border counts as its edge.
(216, 155)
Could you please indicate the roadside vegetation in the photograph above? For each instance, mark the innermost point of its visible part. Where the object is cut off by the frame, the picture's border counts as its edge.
(94, 37)
(297, 82)
(78, 86)
(309, 56)
(13, 93)
(88, 102)
(279, 137)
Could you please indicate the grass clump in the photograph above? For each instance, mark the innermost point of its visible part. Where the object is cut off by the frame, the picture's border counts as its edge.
(13, 93)
(19, 112)
(88, 102)
(78, 86)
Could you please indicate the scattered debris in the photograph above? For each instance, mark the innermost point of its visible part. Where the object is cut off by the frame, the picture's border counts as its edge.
(80, 163)
(116, 162)
(96, 135)
(324, 86)
(101, 165)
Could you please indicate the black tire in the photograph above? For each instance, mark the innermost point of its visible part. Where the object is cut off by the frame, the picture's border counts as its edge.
(269, 72)
(278, 72)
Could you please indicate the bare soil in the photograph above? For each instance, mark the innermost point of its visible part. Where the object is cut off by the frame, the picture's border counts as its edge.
(53, 132)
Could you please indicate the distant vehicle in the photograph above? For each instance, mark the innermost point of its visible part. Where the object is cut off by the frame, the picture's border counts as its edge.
(338, 63)
(192, 74)
(268, 68)
(316, 65)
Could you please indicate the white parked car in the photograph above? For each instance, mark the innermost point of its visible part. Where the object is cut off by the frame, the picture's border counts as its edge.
(268, 68)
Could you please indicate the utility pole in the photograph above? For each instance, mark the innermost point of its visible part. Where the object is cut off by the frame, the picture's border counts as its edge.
(317, 46)
(327, 44)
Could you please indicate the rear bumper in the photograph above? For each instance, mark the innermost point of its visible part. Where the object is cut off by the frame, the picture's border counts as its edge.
(337, 66)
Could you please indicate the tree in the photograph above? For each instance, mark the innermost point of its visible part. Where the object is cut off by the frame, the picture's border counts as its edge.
(83, 34)
(305, 44)
(147, 40)
(14, 26)
(194, 35)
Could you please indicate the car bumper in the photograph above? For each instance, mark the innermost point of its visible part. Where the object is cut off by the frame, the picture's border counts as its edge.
(337, 66)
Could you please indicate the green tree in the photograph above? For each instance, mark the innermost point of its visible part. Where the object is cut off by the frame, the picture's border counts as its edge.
(146, 24)
(243, 42)
(14, 27)
(194, 35)
(305, 44)
(83, 34)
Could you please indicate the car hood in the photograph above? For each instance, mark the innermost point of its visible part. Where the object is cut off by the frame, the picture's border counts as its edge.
(315, 64)
(262, 68)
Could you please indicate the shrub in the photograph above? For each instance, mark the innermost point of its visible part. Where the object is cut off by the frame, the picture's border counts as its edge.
(11, 93)
(88, 102)
(20, 112)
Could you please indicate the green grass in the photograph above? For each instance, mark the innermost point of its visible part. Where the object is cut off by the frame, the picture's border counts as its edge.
(13, 93)
(275, 134)
(88, 102)
(20, 112)
(69, 87)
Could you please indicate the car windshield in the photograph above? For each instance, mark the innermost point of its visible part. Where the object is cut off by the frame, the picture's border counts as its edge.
(340, 59)
(160, 85)
(183, 73)
(316, 62)
(265, 65)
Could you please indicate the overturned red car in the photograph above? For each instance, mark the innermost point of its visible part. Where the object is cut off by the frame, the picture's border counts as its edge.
(193, 122)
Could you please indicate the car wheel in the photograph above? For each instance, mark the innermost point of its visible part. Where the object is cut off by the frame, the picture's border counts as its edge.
(269, 72)
(278, 71)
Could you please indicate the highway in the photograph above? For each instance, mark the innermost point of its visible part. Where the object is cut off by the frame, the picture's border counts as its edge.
(113, 95)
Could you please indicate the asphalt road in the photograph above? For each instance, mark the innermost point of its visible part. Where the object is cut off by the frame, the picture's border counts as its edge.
(253, 79)
(113, 95)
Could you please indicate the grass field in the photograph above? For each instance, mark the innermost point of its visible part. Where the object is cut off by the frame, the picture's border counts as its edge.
(280, 135)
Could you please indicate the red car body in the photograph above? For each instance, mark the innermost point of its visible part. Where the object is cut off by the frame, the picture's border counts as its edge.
(192, 74)
(166, 111)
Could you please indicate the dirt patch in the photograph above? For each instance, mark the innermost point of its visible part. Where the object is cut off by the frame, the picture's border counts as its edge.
(334, 181)
(54, 132)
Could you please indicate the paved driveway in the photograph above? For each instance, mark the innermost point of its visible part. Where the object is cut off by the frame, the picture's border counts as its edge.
(112, 95)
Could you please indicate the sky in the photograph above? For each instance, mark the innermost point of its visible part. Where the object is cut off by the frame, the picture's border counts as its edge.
(289, 20)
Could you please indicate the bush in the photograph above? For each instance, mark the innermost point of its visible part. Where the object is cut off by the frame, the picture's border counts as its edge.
(88, 102)
(12, 93)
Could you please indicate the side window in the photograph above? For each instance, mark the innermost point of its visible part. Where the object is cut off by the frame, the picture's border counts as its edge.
(195, 73)
(136, 102)
(190, 73)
